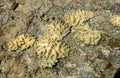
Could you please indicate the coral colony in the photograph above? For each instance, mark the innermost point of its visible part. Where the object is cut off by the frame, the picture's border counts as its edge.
(115, 20)
(50, 47)
(21, 42)
(80, 28)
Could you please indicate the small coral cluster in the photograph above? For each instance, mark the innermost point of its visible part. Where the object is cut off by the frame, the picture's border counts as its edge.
(80, 27)
(87, 35)
(50, 48)
(115, 20)
(77, 17)
(56, 31)
(49, 53)
(21, 42)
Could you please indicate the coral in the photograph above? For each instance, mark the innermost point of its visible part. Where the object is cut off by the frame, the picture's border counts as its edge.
(80, 28)
(49, 53)
(86, 34)
(61, 49)
(56, 31)
(95, 36)
(76, 18)
(49, 48)
(115, 20)
(21, 42)
(43, 49)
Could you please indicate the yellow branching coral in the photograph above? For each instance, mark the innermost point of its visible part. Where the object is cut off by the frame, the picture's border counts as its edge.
(87, 35)
(61, 49)
(21, 42)
(49, 53)
(115, 20)
(56, 30)
(95, 36)
(77, 17)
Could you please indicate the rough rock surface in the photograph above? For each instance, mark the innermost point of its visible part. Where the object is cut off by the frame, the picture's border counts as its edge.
(84, 61)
